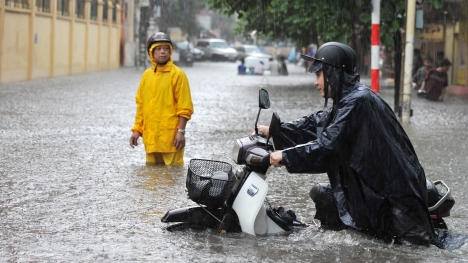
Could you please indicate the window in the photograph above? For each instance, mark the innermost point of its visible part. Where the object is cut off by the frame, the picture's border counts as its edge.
(94, 6)
(104, 10)
(43, 6)
(17, 3)
(202, 44)
(63, 7)
(219, 44)
(80, 8)
(114, 13)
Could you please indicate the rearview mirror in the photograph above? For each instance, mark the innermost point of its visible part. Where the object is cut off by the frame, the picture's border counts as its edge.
(263, 103)
(264, 99)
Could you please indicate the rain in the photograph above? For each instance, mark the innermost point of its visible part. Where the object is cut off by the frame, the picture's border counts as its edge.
(72, 189)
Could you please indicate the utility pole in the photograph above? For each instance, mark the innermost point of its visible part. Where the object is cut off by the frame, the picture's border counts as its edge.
(410, 19)
(398, 49)
(375, 48)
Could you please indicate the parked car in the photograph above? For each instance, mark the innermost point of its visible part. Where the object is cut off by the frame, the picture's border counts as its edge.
(197, 53)
(182, 53)
(244, 51)
(217, 49)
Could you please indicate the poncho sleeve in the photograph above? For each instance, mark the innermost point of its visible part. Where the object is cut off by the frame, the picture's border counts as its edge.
(316, 156)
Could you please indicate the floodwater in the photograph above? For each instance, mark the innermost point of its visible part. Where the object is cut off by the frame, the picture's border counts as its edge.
(72, 189)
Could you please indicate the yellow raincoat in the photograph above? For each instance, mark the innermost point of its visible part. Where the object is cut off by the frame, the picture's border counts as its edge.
(163, 95)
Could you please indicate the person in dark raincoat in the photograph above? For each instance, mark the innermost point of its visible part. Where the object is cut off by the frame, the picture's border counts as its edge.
(377, 184)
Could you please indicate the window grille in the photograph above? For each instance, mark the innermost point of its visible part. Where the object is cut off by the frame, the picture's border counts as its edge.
(17, 3)
(126, 10)
(79, 10)
(94, 7)
(63, 7)
(104, 10)
(114, 13)
(43, 6)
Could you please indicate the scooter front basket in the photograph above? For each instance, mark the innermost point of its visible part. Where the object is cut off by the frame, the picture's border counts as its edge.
(209, 182)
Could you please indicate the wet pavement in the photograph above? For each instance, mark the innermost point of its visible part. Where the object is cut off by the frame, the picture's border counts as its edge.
(71, 188)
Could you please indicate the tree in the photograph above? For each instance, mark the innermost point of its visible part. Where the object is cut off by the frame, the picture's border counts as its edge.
(225, 25)
(308, 22)
(180, 13)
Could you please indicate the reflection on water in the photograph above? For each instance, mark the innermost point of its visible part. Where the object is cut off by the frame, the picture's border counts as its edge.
(160, 180)
(158, 175)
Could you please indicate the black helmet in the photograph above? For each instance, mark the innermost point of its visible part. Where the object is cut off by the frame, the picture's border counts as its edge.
(334, 54)
(339, 64)
(157, 37)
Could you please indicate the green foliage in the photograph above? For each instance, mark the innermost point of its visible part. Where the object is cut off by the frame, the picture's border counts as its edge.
(435, 3)
(180, 13)
(312, 21)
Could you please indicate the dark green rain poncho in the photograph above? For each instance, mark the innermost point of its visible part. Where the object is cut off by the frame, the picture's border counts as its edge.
(378, 184)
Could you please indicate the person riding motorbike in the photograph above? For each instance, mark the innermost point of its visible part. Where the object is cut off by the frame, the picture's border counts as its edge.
(377, 184)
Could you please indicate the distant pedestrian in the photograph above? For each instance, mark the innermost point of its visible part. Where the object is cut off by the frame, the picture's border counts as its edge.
(241, 69)
(418, 62)
(421, 73)
(310, 53)
(274, 67)
(283, 69)
(366, 62)
(164, 105)
(435, 82)
(258, 69)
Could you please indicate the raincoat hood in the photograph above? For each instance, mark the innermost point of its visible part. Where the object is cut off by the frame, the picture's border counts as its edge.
(341, 82)
(157, 44)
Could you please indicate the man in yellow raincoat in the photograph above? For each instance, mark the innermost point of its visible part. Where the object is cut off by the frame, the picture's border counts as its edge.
(164, 105)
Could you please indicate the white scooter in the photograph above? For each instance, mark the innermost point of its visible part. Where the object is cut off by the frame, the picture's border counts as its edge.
(234, 201)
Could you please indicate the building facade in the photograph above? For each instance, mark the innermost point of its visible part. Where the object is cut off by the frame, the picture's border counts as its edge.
(443, 33)
(51, 38)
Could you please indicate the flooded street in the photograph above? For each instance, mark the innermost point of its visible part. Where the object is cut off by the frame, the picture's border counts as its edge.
(72, 189)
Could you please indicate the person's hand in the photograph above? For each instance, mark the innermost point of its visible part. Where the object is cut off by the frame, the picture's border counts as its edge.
(179, 141)
(276, 158)
(262, 129)
(134, 139)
